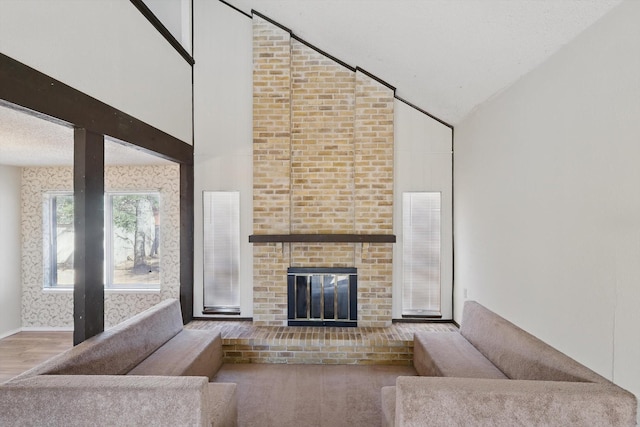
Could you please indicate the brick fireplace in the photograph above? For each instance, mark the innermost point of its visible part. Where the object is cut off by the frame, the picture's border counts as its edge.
(323, 168)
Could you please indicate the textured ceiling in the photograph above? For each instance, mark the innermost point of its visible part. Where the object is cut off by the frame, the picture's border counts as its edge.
(27, 140)
(445, 56)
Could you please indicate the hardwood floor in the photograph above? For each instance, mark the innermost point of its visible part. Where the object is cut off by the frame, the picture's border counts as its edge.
(25, 350)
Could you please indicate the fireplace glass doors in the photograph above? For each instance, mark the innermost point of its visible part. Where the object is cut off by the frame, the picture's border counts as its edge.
(322, 296)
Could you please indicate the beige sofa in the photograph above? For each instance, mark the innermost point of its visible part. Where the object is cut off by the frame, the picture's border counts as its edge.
(148, 370)
(492, 373)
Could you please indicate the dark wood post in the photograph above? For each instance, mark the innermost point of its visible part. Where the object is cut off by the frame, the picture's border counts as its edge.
(186, 241)
(88, 263)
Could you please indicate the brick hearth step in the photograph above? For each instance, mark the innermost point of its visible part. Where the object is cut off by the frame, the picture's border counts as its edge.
(245, 343)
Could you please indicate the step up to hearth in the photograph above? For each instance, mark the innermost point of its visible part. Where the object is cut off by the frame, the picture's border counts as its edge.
(245, 343)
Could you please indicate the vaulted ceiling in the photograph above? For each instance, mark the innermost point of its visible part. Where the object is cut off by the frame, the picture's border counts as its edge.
(445, 56)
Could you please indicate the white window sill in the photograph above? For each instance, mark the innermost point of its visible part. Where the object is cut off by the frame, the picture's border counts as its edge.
(106, 291)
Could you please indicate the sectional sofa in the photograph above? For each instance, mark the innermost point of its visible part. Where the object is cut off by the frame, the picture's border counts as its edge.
(148, 370)
(492, 373)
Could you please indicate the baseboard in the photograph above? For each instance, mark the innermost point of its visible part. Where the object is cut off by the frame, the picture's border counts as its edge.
(47, 329)
(9, 333)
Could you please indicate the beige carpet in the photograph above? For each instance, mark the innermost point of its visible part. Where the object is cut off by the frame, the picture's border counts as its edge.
(309, 395)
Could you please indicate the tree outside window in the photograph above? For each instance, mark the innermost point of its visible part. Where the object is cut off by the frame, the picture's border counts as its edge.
(62, 240)
(135, 239)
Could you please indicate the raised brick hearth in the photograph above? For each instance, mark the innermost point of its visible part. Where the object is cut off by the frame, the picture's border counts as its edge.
(323, 164)
(244, 342)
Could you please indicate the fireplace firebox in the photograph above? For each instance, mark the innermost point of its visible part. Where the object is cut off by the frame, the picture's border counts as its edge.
(322, 296)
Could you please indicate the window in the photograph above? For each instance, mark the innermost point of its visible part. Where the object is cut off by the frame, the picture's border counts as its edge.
(221, 252)
(132, 235)
(421, 253)
(59, 241)
(132, 240)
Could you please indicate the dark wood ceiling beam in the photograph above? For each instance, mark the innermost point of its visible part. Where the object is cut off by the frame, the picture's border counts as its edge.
(32, 91)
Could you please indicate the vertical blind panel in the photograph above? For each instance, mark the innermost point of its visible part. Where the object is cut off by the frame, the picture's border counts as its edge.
(421, 253)
(221, 249)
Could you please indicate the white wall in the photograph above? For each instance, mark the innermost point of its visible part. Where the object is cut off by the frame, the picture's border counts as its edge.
(10, 276)
(223, 138)
(106, 49)
(422, 162)
(547, 200)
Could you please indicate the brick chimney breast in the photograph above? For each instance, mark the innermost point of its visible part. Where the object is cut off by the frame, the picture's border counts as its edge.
(322, 164)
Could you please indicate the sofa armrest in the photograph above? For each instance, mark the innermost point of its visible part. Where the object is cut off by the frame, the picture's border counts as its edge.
(81, 400)
(440, 401)
(388, 396)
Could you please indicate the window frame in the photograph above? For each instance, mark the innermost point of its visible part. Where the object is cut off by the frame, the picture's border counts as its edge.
(50, 243)
(50, 253)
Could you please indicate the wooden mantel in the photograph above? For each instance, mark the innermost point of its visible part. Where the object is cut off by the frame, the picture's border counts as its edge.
(322, 238)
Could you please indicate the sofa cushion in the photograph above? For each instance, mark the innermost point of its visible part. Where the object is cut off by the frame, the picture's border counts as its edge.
(118, 349)
(191, 352)
(517, 353)
(449, 354)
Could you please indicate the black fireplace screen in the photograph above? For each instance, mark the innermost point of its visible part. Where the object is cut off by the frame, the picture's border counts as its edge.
(322, 296)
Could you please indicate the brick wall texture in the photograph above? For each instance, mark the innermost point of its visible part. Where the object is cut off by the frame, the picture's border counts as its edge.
(322, 164)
